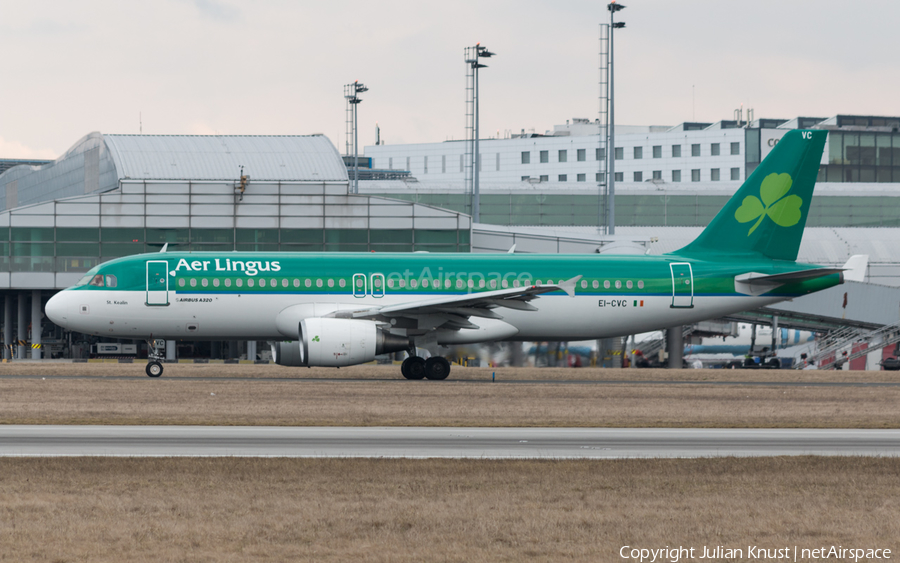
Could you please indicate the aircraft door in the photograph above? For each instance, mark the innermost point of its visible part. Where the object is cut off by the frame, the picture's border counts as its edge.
(359, 285)
(377, 285)
(157, 282)
(682, 285)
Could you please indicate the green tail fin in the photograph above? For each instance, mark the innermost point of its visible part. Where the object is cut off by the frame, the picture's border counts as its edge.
(768, 213)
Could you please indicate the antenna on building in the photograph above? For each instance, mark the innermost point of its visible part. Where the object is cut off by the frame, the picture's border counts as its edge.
(140, 124)
(377, 134)
(749, 116)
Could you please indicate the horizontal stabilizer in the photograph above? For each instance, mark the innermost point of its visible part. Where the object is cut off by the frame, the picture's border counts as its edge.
(855, 268)
(755, 283)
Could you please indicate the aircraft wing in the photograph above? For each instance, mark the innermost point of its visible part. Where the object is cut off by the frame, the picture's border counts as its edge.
(454, 310)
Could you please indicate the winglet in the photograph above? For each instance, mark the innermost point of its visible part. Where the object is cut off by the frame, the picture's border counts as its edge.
(165, 246)
(512, 249)
(569, 285)
(855, 268)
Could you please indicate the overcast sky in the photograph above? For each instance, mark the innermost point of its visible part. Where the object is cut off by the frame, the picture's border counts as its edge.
(278, 67)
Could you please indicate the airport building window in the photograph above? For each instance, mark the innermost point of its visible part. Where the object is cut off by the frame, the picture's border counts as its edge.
(676, 175)
(657, 151)
(462, 161)
(443, 164)
(581, 155)
(526, 157)
(582, 177)
(563, 177)
(714, 149)
(620, 153)
(657, 174)
(695, 149)
(620, 177)
(638, 153)
(714, 174)
(526, 178)
(735, 148)
(599, 154)
(695, 175)
(425, 164)
(735, 173)
(563, 156)
(676, 151)
(596, 176)
(497, 163)
(545, 156)
(638, 176)
(545, 178)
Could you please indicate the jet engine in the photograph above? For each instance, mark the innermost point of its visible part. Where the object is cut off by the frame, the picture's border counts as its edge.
(337, 342)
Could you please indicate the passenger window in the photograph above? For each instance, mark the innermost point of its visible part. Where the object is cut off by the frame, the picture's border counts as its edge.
(111, 281)
(97, 281)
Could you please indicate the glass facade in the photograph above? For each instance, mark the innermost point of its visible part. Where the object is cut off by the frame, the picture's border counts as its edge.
(66, 250)
(655, 210)
(862, 157)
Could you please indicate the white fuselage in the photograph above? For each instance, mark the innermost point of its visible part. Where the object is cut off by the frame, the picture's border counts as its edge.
(124, 314)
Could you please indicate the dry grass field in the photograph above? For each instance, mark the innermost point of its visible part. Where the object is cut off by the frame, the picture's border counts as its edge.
(224, 510)
(181, 400)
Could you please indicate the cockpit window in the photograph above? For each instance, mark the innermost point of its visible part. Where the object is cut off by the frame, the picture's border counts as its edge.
(84, 281)
(97, 281)
(111, 281)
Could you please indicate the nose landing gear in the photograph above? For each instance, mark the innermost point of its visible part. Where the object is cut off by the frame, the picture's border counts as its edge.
(154, 355)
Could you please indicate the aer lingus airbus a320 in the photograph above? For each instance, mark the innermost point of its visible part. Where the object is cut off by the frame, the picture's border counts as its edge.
(341, 309)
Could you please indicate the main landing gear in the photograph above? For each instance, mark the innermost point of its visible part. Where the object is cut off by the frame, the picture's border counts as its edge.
(434, 368)
(154, 355)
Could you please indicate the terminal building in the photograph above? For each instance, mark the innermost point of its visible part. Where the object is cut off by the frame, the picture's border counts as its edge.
(116, 195)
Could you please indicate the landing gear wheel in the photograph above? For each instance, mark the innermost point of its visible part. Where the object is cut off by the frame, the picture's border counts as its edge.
(437, 368)
(413, 367)
(154, 369)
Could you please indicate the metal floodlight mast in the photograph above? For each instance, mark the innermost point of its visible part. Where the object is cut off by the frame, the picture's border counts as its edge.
(351, 94)
(613, 7)
(472, 55)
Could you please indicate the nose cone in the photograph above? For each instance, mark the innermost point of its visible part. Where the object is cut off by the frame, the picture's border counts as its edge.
(57, 309)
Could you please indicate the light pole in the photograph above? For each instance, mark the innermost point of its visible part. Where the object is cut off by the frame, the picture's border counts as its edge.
(613, 7)
(472, 56)
(351, 94)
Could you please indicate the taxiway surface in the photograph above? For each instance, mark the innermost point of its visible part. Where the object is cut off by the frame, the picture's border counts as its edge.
(435, 442)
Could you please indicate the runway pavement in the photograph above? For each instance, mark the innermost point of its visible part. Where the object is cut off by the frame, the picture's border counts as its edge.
(400, 381)
(418, 442)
